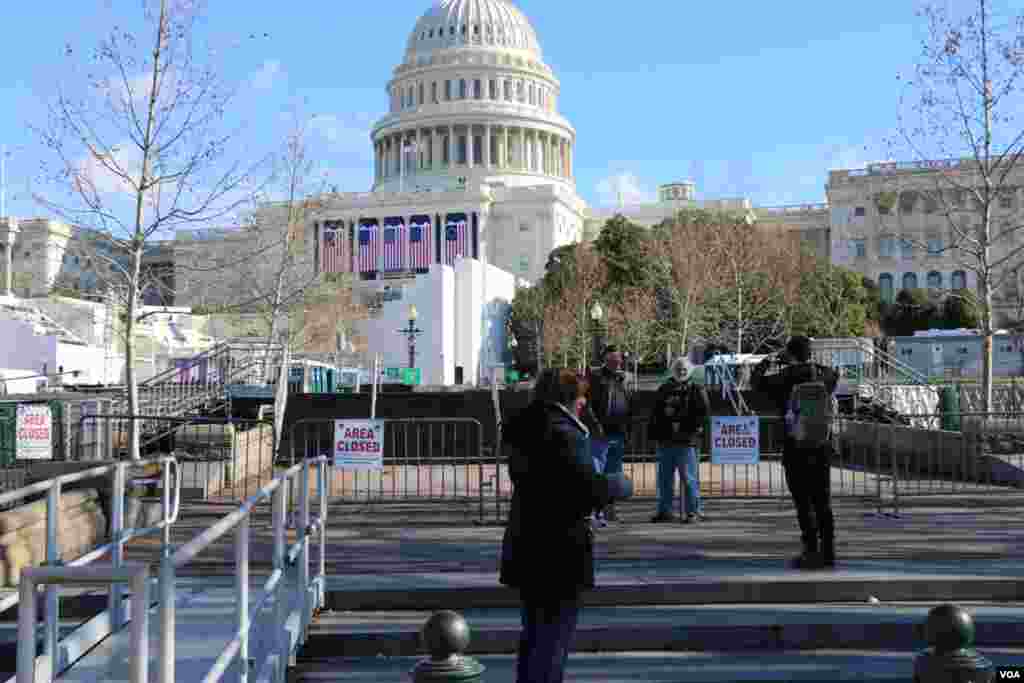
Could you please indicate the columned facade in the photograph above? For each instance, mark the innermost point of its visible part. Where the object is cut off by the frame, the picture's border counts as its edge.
(486, 146)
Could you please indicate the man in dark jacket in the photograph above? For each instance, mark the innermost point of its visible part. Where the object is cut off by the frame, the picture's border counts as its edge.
(612, 405)
(808, 470)
(677, 424)
(548, 548)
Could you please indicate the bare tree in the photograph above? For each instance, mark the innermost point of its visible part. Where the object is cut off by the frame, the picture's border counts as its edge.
(684, 271)
(960, 119)
(632, 319)
(266, 272)
(139, 151)
(750, 270)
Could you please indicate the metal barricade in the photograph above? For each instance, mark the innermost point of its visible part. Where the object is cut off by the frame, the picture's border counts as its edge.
(972, 454)
(221, 459)
(425, 460)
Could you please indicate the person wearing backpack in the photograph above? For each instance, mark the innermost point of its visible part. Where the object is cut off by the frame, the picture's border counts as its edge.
(805, 395)
(677, 423)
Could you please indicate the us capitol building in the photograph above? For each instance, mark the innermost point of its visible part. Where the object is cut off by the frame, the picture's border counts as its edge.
(472, 152)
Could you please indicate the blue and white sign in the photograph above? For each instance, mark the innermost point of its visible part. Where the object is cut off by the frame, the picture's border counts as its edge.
(735, 440)
(359, 444)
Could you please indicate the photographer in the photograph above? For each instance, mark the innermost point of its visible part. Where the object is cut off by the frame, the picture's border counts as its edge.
(805, 395)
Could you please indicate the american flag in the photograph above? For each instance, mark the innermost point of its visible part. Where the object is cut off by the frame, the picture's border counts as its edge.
(333, 252)
(420, 253)
(367, 247)
(394, 239)
(455, 238)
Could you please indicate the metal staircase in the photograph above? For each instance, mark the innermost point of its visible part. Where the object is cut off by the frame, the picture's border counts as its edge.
(170, 394)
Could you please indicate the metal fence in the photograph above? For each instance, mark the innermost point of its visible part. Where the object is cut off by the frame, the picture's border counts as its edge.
(220, 458)
(425, 460)
(446, 460)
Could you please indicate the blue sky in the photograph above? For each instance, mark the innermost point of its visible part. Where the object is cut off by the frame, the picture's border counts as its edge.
(746, 98)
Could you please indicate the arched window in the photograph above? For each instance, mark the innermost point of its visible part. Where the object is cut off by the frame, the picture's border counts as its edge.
(885, 289)
(934, 280)
(423, 90)
(462, 89)
(910, 281)
(959, 280)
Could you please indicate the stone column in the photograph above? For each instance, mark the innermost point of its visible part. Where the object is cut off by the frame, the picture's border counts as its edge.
(8, 235)
(487, 146)
(419, 149)
(504, 147)
(451, 146)
(572, 160)
(469, 146)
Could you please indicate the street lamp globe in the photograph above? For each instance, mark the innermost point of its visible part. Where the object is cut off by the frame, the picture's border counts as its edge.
(413, 313)
(596, 313)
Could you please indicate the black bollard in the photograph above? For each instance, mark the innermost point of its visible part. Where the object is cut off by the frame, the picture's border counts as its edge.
(951, 657)
(446, 637)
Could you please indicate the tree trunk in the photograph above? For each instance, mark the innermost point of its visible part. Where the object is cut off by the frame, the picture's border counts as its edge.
(987, 330)
(131, 380)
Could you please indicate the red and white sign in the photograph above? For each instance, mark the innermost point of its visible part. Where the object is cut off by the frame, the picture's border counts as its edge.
(359, 444)
(34, 433)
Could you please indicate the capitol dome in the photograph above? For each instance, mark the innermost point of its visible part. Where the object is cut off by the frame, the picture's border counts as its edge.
(472, 103)
(485, 23)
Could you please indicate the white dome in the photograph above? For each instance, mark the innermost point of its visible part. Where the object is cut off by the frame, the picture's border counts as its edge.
(478, 23)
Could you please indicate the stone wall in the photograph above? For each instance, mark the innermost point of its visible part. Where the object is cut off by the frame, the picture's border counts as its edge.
(83, 526)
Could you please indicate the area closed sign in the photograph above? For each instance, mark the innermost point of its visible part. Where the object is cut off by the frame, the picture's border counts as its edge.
(359, 444)
(735, 440)
(34, 433)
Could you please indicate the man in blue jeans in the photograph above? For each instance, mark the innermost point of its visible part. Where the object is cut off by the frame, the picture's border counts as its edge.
(612, 406)
(677, 423)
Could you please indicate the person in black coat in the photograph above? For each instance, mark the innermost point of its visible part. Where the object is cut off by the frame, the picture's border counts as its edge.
(548, 548)
(808, 471)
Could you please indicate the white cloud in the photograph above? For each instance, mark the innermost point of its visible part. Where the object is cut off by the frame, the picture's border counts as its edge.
(625, 188)
(267, 76)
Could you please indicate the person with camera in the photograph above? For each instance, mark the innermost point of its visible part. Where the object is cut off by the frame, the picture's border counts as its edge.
(548, 548)
(612, 405)
(805, 395)
(677, 424)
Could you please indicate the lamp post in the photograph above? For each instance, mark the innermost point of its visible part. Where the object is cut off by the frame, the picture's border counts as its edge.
(412, 332)
(596, 316)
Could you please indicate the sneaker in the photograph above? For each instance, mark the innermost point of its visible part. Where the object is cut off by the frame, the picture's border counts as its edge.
(662, 517)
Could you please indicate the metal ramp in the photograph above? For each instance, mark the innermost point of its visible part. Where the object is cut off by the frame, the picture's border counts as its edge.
(195, 629)
(205, 624)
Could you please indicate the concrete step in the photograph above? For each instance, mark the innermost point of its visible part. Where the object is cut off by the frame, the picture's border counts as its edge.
(653, 582)
(665, 667)
(661, 628)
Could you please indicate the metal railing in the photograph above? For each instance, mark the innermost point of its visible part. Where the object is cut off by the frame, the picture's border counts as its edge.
(217, 456)
(288, 563)
(114, 618)
(424, 460)
(135, 575)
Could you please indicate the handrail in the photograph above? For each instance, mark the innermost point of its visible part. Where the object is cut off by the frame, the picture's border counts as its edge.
(119, 537)
(136, 575)
(276, 659)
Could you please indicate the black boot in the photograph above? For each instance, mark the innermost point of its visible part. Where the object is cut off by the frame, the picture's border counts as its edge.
(809, 559)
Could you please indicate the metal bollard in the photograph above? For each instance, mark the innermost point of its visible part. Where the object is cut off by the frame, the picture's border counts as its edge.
(951, 657)
(446, 637)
